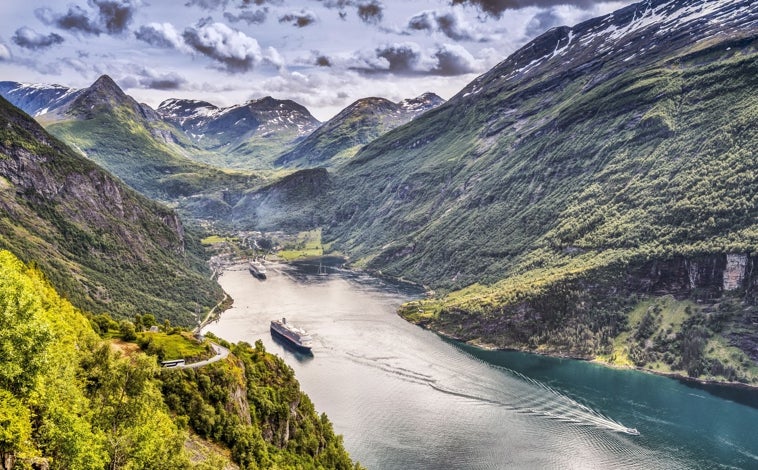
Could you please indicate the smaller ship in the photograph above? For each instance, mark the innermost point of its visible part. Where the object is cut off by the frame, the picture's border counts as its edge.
(257, 269)
(632, 431)
(295, 336)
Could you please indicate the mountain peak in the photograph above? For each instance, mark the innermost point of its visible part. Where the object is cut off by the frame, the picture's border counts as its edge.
(103, 94)
(105, 81)
(421, 103)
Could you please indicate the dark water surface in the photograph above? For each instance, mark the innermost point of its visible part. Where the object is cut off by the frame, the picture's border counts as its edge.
(406, 399)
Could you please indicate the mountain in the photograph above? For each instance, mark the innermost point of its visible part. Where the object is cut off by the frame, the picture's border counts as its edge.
(358, 124)
(132, 141)
(594, 169)
(107, 248)
(240, 136)
(295, 202)
(36, 99)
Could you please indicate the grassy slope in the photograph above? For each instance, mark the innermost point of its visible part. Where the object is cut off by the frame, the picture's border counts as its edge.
(120, 142)
(342, 136)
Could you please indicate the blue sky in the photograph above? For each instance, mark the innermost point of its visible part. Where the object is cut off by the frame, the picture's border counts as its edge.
(324, 54)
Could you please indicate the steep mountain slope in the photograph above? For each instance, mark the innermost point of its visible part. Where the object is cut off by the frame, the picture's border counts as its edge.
(358, 124)
(36, 99)
(100, 243)
(241, 136)
(296, 202)
(593, 152)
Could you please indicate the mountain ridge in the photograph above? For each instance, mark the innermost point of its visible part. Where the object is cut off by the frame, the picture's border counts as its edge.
(357, 124)
(246, 135)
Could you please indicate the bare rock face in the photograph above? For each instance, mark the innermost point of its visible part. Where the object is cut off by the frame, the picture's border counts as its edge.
(734, 274)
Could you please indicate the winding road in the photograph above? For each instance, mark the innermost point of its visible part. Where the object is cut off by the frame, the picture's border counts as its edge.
(221, 353)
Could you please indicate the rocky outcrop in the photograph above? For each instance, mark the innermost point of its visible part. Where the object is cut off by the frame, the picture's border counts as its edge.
(734, 273)
(710, 275)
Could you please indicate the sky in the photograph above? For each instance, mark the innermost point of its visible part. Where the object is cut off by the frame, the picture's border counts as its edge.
(324, 54)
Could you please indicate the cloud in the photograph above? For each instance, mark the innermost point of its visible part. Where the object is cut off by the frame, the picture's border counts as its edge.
(543, 21)
(112, 17)
(76, 20)
(323, 61)
(208, 4)
(162, 35)
(236, 51)
(453, 59)
(5, 53)
(247, 3)
(30, 39)
(115, 15)
(248, 16)
(76, 64)
(409, 59)
(371, 12)
(300, 18)
(152, 80)
(496, 8)
(451, 24)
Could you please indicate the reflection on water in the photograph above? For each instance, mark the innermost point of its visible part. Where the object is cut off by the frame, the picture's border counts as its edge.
(406, 399)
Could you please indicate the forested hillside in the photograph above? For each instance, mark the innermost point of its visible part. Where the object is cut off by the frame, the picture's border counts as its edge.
(68, 401)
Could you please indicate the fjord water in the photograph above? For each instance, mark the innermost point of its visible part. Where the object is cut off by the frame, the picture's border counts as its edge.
(404, 398)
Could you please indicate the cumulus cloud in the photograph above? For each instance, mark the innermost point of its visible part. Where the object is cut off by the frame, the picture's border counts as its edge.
(496, 8)
(207, 4)
(146, 78)
(453, 59)
(30, 39)
(543, 21)
(233, 49)
(371, 12)
(300, 18)
(323, 61)
(162, 35)
(409, 59)
(247, 3)
(110, 17)
(115, 15)
(5, 53)
(75, 64)
(248, 16)
(76, 20)
(451, 24)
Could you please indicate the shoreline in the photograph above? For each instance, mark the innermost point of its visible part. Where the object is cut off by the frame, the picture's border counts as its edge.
(670, 375)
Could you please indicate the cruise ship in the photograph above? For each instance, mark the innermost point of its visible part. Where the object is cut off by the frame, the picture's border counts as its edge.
(257, 269)
(299, 338)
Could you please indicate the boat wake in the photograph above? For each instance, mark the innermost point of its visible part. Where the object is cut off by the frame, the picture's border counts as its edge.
(509, 389)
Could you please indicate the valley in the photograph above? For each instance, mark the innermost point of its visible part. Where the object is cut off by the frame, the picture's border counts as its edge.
(591, 196)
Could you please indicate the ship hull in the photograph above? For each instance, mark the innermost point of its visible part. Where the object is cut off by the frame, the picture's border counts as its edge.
(257, 273)
(289, 341)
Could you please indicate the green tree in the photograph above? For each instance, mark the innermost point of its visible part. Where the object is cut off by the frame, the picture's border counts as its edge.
(127, 330)
(15, 429)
